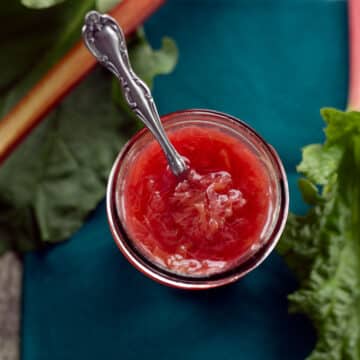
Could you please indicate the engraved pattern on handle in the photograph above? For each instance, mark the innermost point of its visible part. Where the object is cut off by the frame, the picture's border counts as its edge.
(106, 41)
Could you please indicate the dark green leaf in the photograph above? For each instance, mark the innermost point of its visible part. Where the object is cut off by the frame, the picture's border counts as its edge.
(58, 175)
(32, 40)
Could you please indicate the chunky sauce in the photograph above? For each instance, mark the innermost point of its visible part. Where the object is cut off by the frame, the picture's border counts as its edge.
(210, 219)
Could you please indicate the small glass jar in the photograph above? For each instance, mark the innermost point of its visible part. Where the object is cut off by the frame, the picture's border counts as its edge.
(277, 215)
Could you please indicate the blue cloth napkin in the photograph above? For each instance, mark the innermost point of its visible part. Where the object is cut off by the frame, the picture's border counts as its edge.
(270, 63)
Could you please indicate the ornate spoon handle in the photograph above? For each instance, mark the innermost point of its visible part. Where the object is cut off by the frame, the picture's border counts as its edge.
(105, 40)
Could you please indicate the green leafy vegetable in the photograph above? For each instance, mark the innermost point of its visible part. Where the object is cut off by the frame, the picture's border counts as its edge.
(33, 43)
(148, 64)
(52, 181)
(28, 36)
(40, 4)
(323, 247)
(58, 175)
(105, 5)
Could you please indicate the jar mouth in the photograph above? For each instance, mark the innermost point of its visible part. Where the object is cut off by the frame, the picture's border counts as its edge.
(187, 281)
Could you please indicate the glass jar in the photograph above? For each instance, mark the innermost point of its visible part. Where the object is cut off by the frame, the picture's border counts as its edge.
(276, 218)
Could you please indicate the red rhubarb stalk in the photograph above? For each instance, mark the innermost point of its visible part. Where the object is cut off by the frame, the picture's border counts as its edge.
(354, 45)
(62, 77)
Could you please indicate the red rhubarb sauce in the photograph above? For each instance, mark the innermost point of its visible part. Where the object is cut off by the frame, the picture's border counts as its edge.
(209, 220)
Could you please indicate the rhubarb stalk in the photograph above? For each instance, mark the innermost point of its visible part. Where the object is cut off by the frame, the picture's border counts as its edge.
(354, 45)
(62, 77)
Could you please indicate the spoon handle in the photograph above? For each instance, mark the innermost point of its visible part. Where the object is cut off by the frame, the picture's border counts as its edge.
(106, 41)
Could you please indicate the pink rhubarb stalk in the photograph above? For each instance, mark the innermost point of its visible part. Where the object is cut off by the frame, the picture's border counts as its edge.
(354, 45)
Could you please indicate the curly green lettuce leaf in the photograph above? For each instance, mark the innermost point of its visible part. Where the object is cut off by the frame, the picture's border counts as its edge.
(58, 174)
(323, 247)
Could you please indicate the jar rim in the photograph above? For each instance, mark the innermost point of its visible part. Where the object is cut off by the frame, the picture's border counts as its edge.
(167, 277)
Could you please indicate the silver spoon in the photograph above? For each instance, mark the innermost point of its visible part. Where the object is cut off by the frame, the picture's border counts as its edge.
(106, 41)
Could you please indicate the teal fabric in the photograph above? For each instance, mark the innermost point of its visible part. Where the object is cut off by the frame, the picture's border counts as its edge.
(270, 63)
